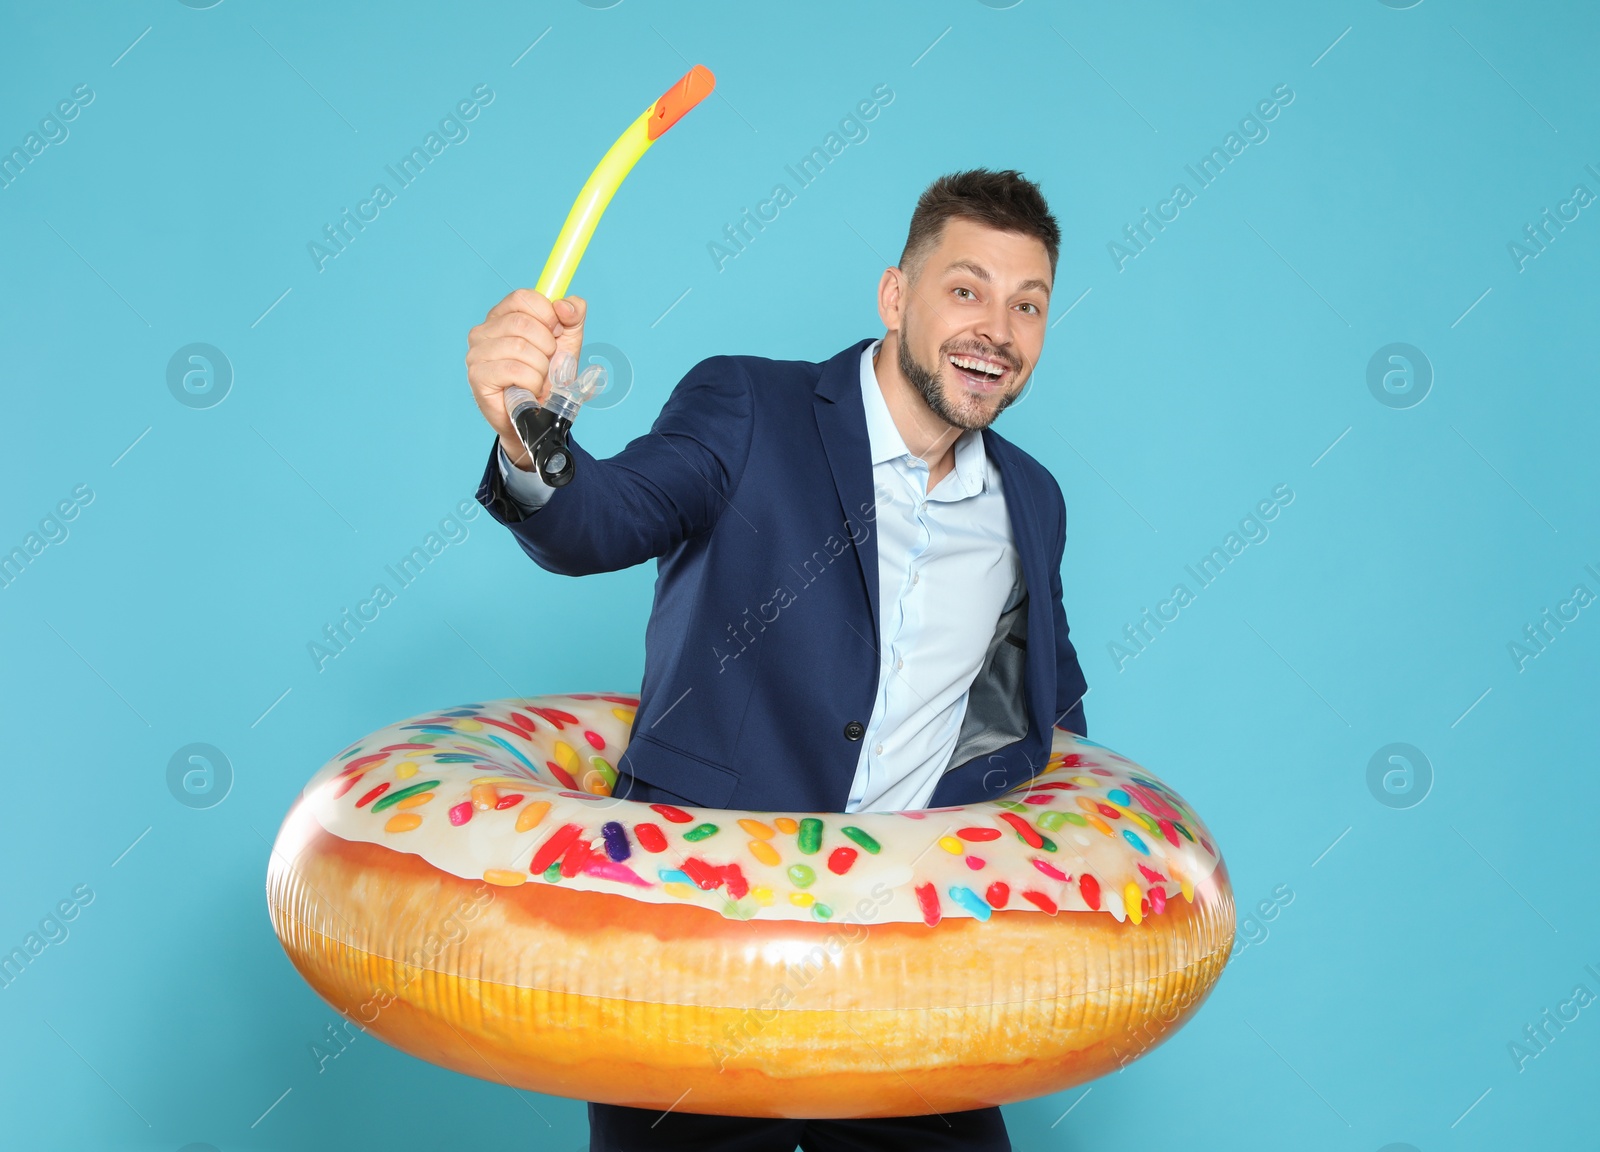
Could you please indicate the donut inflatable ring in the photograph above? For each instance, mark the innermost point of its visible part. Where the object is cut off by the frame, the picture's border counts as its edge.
(463, 886)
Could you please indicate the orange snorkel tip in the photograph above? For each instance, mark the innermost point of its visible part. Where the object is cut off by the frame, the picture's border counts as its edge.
(678, 100)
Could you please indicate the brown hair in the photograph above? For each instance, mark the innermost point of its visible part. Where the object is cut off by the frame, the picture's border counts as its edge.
(1004, 200)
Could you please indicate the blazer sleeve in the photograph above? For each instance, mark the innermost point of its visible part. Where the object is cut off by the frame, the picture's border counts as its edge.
(1070, 682)
(662, 488)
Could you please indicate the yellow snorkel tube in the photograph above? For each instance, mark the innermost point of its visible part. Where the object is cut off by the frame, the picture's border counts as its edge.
(613, 168)
(543, 427)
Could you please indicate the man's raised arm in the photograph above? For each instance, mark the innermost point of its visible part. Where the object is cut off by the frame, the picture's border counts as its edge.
(663, 487)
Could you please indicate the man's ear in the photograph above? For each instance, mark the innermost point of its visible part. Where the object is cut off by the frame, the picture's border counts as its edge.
(892, 289)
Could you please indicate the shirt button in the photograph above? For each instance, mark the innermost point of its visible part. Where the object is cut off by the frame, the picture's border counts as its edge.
(900, 663)
(878, 748)
(854, 730)
(915, 576)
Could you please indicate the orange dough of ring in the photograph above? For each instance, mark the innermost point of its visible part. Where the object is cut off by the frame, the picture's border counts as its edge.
(522, 926)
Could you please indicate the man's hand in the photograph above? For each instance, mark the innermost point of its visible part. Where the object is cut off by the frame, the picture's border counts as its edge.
(513, 347)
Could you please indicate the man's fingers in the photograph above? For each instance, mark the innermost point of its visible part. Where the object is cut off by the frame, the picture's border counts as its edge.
(521, 324)
(570, 337)
(492, 377)
(512, 348)
(534, 303)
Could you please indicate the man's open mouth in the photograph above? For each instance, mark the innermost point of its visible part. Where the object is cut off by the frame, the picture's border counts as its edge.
(980, 373)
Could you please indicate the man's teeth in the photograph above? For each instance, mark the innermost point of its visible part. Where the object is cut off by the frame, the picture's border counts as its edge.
(980, 366)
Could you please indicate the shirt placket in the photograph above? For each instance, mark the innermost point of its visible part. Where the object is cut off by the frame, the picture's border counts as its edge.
(914, 473)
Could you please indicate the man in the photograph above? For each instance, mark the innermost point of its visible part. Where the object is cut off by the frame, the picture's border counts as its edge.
(846, 557)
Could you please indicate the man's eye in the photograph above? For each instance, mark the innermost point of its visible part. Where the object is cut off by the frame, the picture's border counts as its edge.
(1035, 307)
(968, 291)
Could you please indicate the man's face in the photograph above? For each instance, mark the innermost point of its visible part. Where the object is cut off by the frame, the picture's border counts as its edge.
(972, 324)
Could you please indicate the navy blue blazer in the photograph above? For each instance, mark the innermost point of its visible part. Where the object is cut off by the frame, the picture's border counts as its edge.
(753, 492)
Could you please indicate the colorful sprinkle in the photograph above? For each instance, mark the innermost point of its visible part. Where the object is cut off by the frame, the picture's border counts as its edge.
(810, 839)
(1132, 837)
(802, 875)
(414, 801)
(787, 825)
(611, 870)
(528, 819)
(951, 845)
(373, 795)
(405, 769)
(504, 878)
(822, 912)
(928, 902)
(1052, 821)
(1158, 899)
(598, 741)
(733, 877)
(616, 840)
(765, 853)
(1089, 889)
(363, 762)
(1131, 898)
(757, 829)
(705, 876)
(763, 895)
(651, 837)
(1023, 829)
(999, 892)
(1049, 869)
(563, 777)
(600, 778)
(550, 851)
(668, 812)
(461, 813)
(509, 800)
(700, 832)
(484, 797)
(575, 858)
(1040, 901)
(975, 862)
(862, 838)
(673, 876)
(402, 822)
(802, 899)
(394, 798)
(978, 835)
(971, 901)
(840, 860)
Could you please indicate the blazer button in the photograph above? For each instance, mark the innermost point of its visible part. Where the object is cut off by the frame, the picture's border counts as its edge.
(854, 730)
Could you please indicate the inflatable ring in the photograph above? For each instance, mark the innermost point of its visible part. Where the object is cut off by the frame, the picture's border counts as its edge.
(463, 886)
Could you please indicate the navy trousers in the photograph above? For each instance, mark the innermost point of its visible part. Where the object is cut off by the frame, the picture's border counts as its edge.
(613, 1128)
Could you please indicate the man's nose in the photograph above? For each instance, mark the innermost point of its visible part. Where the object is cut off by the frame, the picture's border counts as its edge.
(994, 328)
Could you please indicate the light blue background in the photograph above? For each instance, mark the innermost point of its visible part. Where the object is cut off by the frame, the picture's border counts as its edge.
(1376, 1007)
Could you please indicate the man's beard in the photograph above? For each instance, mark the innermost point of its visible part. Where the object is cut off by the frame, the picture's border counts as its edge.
(930, 386)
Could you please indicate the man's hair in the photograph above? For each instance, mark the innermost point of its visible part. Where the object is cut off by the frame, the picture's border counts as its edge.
(1004, 200)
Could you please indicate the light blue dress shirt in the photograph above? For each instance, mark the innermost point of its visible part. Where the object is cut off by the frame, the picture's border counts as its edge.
(947, 570)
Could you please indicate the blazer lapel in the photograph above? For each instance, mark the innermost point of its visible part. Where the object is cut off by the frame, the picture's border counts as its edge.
(842, 423)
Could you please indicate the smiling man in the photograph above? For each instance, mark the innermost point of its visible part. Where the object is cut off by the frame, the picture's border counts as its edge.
(858, 603)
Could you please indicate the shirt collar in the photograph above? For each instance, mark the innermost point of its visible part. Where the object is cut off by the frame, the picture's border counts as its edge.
(971, 471)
